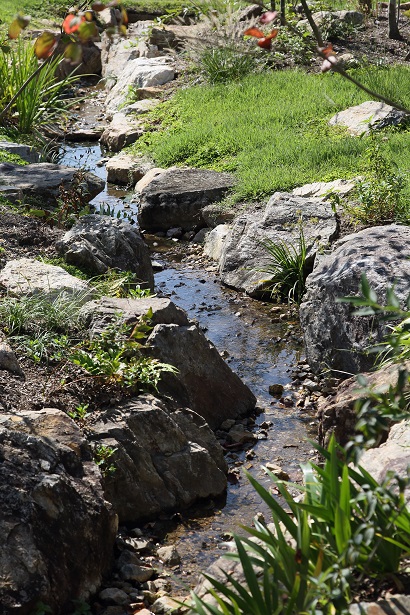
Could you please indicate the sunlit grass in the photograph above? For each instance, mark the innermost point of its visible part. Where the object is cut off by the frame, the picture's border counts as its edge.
(271, 129)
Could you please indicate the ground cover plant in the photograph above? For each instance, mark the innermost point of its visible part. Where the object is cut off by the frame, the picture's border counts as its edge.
(271, 129)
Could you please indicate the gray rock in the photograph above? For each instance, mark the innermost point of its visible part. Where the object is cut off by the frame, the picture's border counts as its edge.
(139, 73)
(29, 277)
(122, 131)
(98, 243)
(369, 115)
(204, 382)
(334, 338)
(169, 555)
(336, 414)
(97, 315)
(8, 359)
(26, 152)
(392, 456)
(244, 256)
(56, 529)
(113, 595)
(177, 196)
(140, 106)
(140, 574)
(43, 180)
(214, 241)
(215, 214)
(165, 458)
(322, 189)
(393, 605)
(90, 63)
(125, 169)
(166, 606)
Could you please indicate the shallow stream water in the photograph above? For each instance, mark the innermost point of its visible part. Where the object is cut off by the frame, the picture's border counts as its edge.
(253, 341)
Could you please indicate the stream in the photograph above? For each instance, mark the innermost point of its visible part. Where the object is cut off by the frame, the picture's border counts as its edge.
(262, 345)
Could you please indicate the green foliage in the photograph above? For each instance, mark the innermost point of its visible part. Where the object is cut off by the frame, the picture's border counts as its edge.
(41, 326)
(12, 158)
(378, 198)
(261, 129)
(115, 283)
(345, 521)
(291, 47)
(333, 28)
(102, 457)
(376, 409)
(223, 64)
(80, 413)
(59, 261)
(115, 356)
(287, 268)
(41, 101)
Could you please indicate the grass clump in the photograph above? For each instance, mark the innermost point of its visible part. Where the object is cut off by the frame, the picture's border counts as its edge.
(266, 130)
(287, 268)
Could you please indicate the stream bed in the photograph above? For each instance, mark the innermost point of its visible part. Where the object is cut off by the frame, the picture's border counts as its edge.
(262, 345)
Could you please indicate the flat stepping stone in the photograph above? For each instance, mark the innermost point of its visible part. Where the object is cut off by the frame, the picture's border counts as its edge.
(369, 115)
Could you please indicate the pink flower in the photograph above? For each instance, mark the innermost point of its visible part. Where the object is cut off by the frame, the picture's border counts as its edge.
(268, 17)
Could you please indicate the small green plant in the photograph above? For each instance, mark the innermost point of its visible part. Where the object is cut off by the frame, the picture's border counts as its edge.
(115, 283)
(287, 268)
(105, 209)
(41, 326)
(379, 198)
(102, 457)
(222, 64)
(334, 28)
(115, 356)
(80, 413)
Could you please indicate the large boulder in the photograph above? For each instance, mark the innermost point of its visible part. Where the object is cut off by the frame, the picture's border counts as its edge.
(26, 276)
(336, 414)
(97, 243)
(43, 181)
(139, 73)
(204, 382)
(244, 256)
(175, 198)
(392, 456)
(165, 459)
(56, 529)
(370, 115)
(334, 338)
(97, 315)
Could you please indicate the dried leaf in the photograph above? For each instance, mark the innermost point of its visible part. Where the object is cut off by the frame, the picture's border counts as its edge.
(73, 53)
(124, 17)
(17, 25)
(87, 31)
(45, 45)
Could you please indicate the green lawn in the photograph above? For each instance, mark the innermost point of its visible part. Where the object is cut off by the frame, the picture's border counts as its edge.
(55, 9)
(271, 129)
